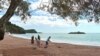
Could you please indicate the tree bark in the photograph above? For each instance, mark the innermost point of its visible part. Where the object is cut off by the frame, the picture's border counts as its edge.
(6, 17)
(1, 32)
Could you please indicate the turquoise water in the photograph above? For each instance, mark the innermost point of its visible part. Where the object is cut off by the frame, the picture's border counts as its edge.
(78, 39)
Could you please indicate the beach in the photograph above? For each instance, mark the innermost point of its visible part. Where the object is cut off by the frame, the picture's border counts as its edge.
(13, 46)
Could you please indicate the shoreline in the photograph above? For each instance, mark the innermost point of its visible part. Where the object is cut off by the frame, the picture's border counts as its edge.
(72, 43)
(13, 46)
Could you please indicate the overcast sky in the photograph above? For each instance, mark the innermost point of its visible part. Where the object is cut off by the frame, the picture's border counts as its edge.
(47, 23)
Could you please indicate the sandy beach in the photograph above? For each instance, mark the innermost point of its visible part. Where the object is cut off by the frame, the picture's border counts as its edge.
(13, 46)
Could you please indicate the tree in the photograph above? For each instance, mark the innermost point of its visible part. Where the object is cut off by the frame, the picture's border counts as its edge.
(74, 9)
(19, 7)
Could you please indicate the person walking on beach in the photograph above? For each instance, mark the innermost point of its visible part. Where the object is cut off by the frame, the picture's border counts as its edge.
(36, 41)
(39, 40)
(38, 37)
(47, 42)
(32, 40)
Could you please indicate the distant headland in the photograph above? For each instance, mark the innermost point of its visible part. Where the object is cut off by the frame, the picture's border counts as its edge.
(12, 28)
(77, 32)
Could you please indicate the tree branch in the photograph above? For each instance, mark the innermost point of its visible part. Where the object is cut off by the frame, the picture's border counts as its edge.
(13, 5)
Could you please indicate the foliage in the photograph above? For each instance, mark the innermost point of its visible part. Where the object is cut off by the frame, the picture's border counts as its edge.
(22, 9)
(12, 6)
(31, 31)
(12, 28)
(74, 9)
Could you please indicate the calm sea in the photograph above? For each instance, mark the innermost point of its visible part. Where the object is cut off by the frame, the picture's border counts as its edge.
(92, 39)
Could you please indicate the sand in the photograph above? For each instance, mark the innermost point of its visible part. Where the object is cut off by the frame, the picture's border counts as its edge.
(13, 46)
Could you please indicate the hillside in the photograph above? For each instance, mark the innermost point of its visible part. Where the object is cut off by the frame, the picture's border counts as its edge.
(12, 28)
(31, 31)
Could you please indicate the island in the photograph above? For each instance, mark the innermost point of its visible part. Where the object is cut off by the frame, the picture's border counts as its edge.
(77, 32)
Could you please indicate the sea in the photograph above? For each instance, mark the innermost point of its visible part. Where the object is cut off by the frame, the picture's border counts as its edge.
(89, 39)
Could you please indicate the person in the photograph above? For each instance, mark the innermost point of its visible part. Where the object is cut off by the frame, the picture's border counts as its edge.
(39, 40)
(38, 37)
(47, 42)
(36, 41)
(32, 40)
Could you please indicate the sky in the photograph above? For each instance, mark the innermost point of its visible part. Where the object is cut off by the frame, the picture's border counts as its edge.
(45, 22)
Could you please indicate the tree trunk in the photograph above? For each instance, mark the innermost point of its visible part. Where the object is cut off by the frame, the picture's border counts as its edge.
(1, 34)
(1, 31)
(5, 18)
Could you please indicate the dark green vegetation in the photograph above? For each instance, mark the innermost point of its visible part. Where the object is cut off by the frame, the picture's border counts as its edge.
(12, 28)
(77, 32)
(31, 31)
